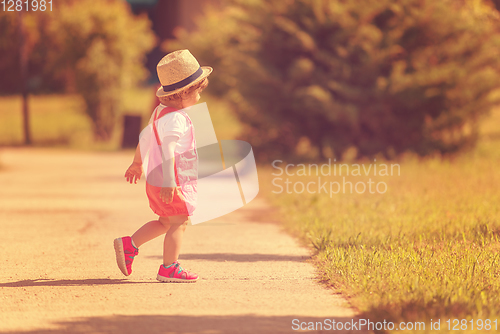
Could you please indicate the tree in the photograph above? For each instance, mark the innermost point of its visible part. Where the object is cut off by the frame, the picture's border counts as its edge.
(103, 46)
(383, 76)
(94, 48)
(15, 45)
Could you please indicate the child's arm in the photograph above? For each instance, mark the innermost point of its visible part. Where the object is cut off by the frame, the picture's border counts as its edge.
(134, 172)
(168, 167)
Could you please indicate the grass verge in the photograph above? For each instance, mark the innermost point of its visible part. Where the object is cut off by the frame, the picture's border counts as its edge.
(427, 248)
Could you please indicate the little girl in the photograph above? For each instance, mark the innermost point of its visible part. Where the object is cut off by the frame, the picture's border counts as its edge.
(171, 188)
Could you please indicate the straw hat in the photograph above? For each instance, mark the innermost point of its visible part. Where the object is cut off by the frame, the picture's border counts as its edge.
(179, 70)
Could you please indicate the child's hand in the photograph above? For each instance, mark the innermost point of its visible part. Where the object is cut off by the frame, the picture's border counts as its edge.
(134, 172)
(167, 194)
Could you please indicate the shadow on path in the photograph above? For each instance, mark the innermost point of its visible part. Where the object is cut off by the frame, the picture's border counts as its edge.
(67, 282)
(171, 324)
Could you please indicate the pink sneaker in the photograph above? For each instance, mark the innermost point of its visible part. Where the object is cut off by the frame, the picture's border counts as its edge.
(125, 253)
(175, 273)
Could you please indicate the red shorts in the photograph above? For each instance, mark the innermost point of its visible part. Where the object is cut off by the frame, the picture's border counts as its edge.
(178, 205)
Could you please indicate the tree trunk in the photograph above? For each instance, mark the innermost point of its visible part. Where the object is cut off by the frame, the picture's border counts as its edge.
(23, 61)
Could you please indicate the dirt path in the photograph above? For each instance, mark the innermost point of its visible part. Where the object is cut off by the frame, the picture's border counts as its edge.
(61, 210)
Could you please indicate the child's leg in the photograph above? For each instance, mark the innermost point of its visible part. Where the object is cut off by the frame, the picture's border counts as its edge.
(149, 231)
(175, 225)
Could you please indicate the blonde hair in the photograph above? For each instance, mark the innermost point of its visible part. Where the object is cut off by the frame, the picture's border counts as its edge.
(179, 96)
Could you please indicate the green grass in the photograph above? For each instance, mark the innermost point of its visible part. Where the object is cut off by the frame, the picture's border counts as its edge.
(426, 249)
(59, 120)
(55, 120)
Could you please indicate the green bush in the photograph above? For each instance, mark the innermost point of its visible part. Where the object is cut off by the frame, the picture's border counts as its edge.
(381, 76)
(107, 44)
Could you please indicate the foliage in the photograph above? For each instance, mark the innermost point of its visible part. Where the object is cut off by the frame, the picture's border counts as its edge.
(93, 48)
(380, 76)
